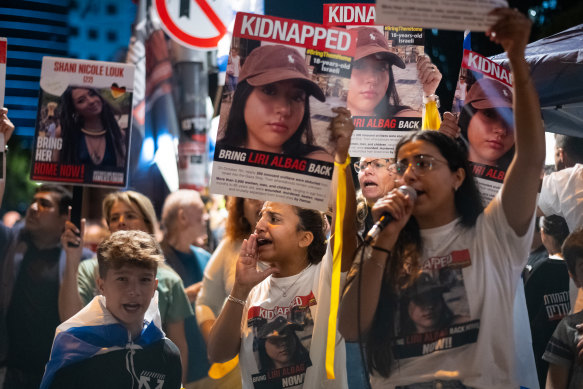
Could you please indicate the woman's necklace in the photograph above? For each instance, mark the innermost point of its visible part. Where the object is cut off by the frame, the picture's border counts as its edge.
(93, 133)
(285, 290)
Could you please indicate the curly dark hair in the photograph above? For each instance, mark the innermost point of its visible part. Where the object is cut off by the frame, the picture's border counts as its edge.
(237, 227)
(313, 221)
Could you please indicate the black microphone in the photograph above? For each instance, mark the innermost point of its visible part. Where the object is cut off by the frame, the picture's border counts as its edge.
(386, 217)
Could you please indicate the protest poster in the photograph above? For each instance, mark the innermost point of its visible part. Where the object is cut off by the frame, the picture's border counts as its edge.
(483, 104)
(458, 15)
(283, 79)
(3, 52)
(385, 103)
(83, 122)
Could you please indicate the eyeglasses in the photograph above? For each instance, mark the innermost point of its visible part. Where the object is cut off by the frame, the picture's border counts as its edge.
(376, 164)
(421, 164)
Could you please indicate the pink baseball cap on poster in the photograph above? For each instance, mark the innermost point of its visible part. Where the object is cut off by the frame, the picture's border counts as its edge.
(371, 41)
(488, 93)
(271, 63)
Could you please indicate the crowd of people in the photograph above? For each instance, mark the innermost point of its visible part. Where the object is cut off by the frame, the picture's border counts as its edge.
(439, 298)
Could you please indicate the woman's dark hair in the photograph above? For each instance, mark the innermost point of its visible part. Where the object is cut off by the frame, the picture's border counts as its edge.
(467, 198)
(390, 103)
(300, 354)
(466, 116)
(409, 327)
(300, 143)
(313, 221)
(72, 123)
(403, 266)
(237, 227)
(556, 227)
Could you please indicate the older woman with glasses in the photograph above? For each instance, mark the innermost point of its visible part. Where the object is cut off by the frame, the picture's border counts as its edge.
(376, 177)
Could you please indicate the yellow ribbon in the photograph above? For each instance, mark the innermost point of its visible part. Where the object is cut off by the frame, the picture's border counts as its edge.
(336, 264)
(219, 370)
(431, 119)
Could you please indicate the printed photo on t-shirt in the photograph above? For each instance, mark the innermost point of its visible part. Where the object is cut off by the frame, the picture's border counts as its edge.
(434, 312)
(281, 344)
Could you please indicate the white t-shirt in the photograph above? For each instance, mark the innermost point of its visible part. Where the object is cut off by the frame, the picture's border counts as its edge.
(291, 330)
(562, 194)
(469, 281)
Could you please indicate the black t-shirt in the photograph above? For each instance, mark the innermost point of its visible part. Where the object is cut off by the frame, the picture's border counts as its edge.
(547, 301)
(156, 366)
(33, 314)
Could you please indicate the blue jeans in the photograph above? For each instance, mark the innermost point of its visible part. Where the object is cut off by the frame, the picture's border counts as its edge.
(355, 370)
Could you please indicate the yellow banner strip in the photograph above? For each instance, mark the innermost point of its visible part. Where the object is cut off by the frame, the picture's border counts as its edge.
(336, 265)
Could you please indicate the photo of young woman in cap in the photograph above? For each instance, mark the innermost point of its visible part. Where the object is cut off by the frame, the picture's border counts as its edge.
(373, 90)
(424, 309)
(487, 124)
(279, 345)
(270, 108)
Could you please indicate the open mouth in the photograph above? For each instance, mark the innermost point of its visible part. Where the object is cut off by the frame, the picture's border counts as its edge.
(369, 183)
(131, 307)
(262, 242)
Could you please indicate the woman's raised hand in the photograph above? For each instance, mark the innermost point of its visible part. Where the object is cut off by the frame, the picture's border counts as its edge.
(449, 125)
(428, 74)
(246, 274)
(341, 131)
(511, 31)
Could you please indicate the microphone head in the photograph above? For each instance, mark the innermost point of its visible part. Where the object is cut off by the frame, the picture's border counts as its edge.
(407, 190)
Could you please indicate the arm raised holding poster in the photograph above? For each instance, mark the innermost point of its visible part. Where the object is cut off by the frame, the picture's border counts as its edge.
(444, 240)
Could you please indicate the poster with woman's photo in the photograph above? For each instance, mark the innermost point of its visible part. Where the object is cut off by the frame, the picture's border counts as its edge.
(83, 122)
(483, 104)
(282, 338)
(385, 95)
(434, 311)
(284, 77)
